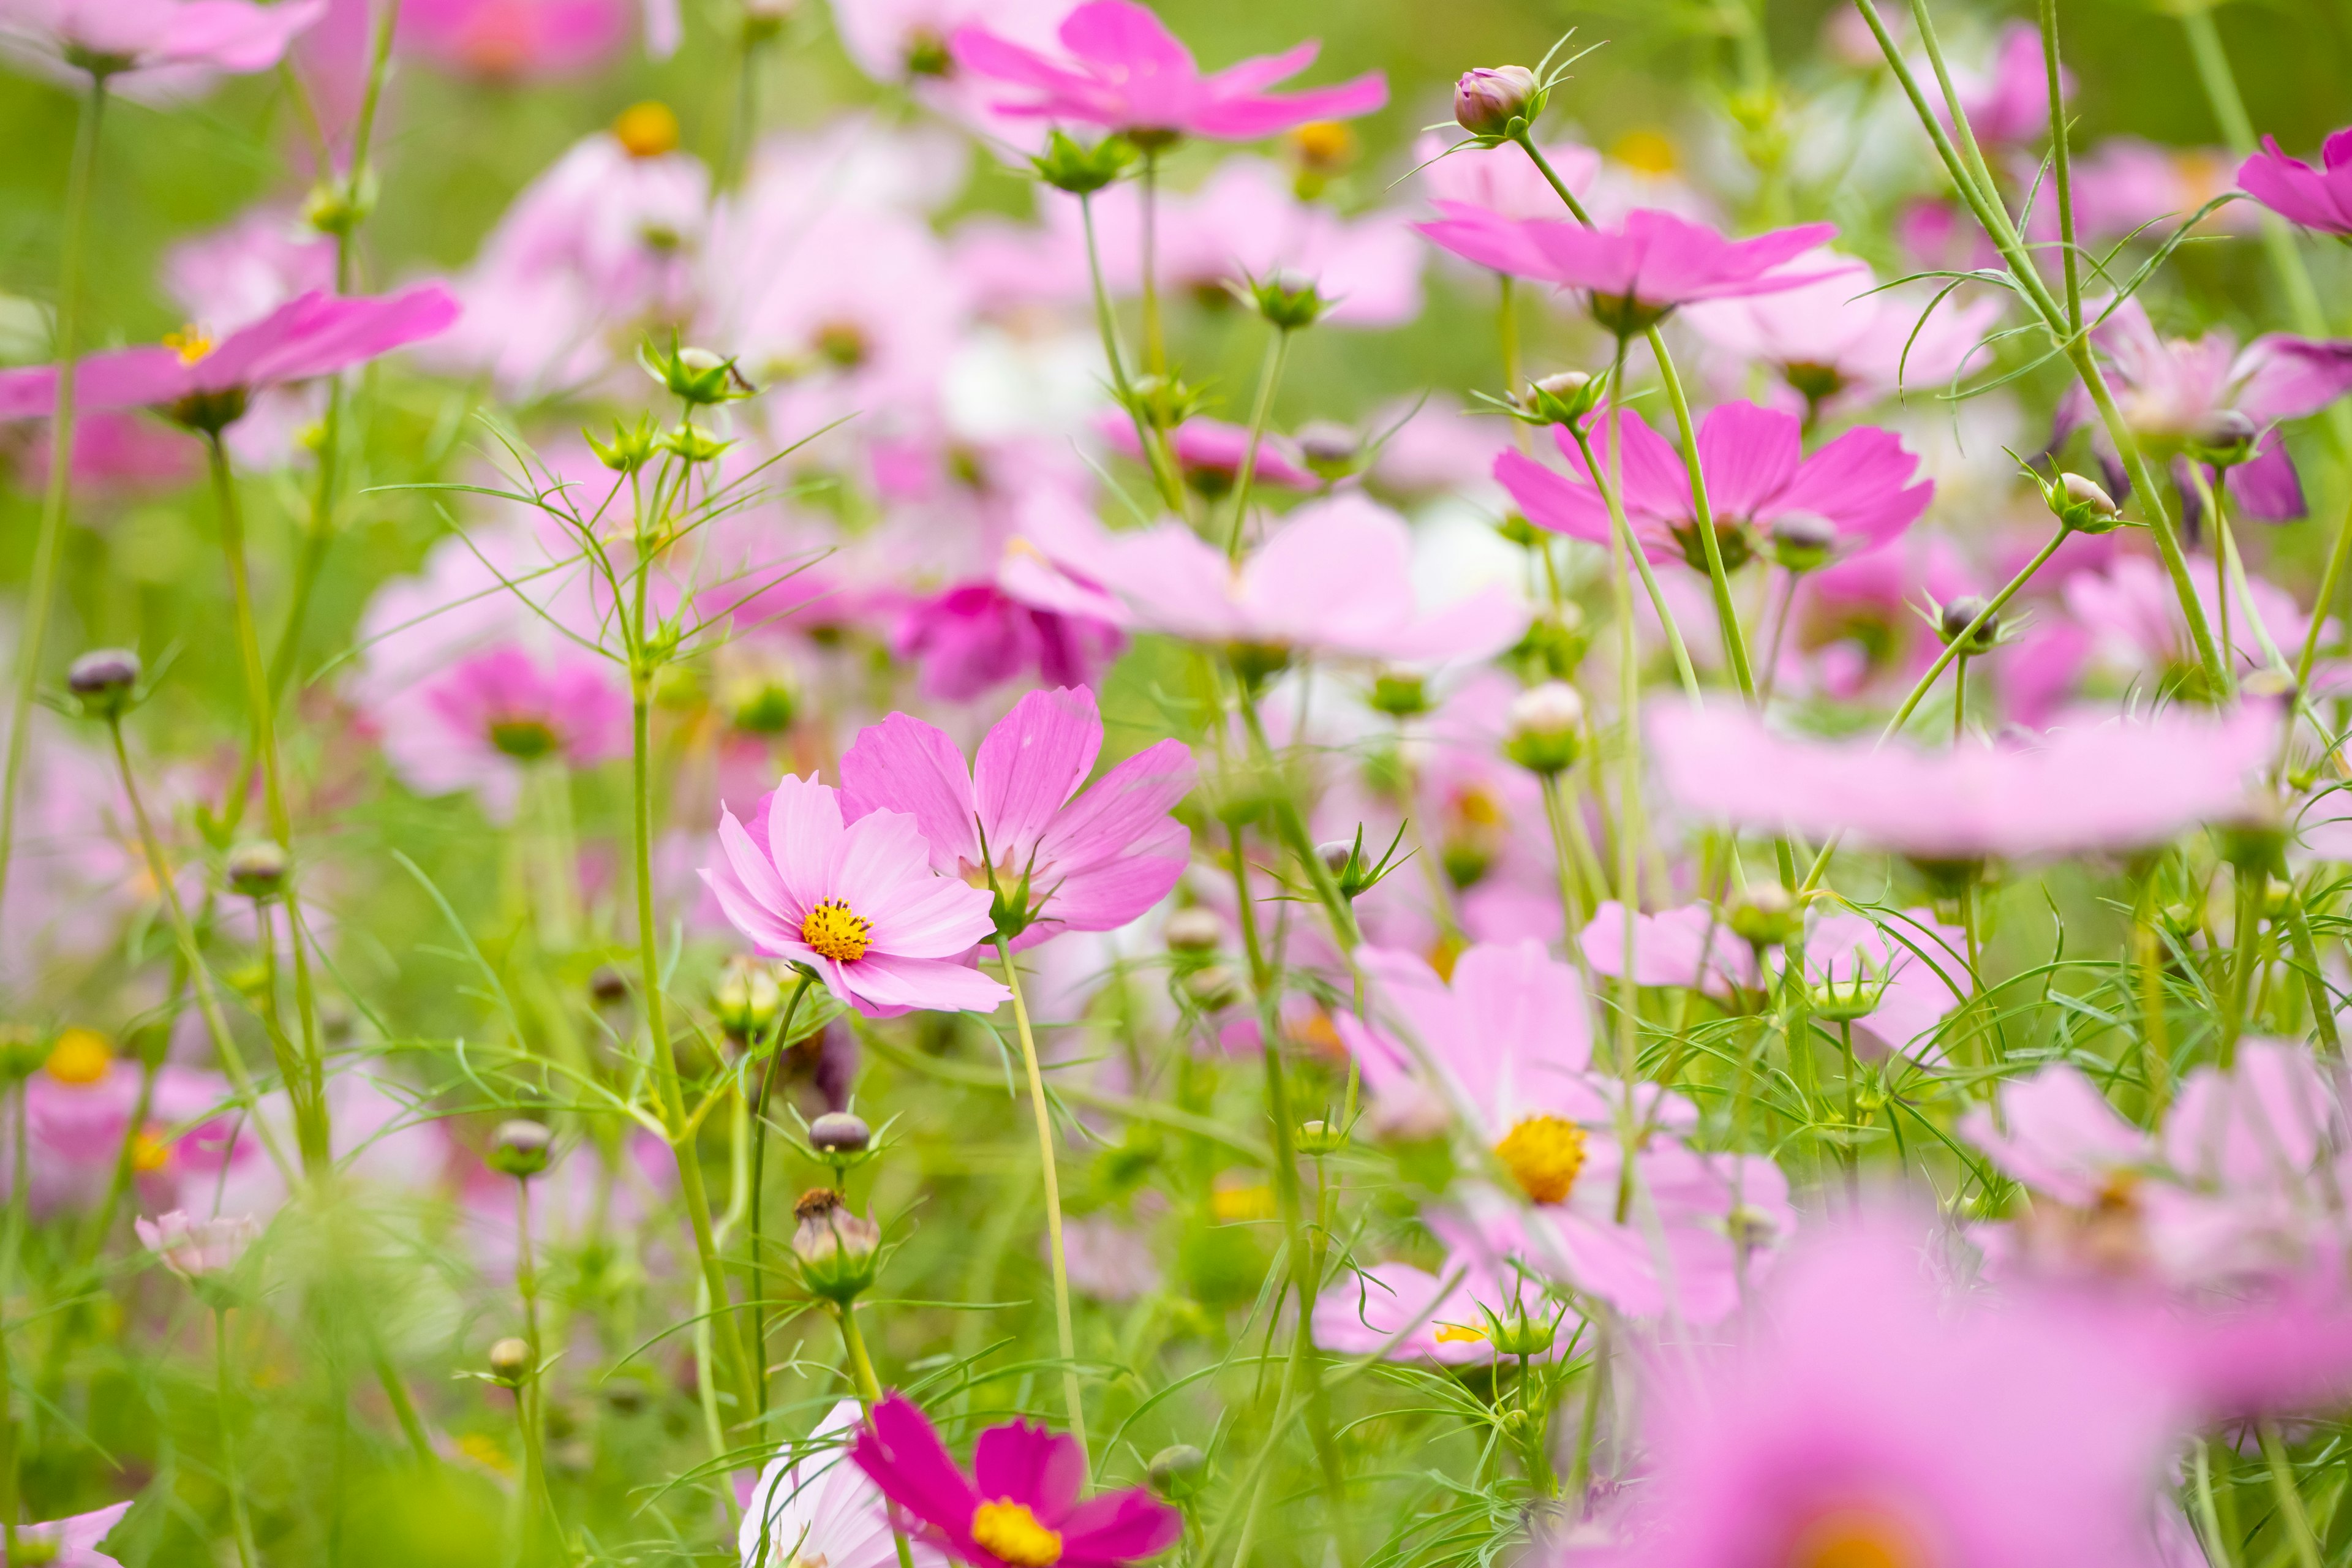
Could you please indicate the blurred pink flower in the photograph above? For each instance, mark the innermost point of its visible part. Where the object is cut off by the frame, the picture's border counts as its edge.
(974, 637)
(1109, 1258)
(1973, 801)
(1841, 341)
(1634, 273)
(812, 1503)
(73, 1542)
(115, 452)
(2317, 198)
(2168, 387)
(129, 38)
(1426, 1320)
(2132, 623)
(1126, 71)
(1211, 453)
(1687, 946)
(2124, 185)
(2011, 103)
(1090, 861)
(198, 1249)
(480, 722)
(1501, 179)
(856, 903)
(515, 38)
(1757, 473)
(79, 1109)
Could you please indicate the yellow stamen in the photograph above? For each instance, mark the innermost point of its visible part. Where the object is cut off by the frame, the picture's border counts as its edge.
(1238, 1201)
(1856, 1537)
(1544, 1153)
(1010, 1531)
(189, 343)
(149, 1153)
(646, 130)
(80, 1057)
(1459, 1334)
(1645, 152)
(837, 935)
(1325, 144)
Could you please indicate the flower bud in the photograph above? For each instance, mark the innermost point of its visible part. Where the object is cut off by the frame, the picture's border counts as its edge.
(1193, 931)
(1331, 450)
(607, 986)
(1178, 1472)
(1070, 166)
(1400, 695)
(697, 376)
(103, 678)
(839, 1132)
(2082, 505)
(839, 1252)
(519, 1148)
(1520, 1334)
(1214, 988)
(1287, 301)
(1564, 398)
(1765, 916)
(1318, 1137)
(631, 448)
(746, 998)
(2224, 438)
(1546, 728)
(510, 1361)
(1959, 616)
(257, 868)
(1801, 540)
(1487, 100)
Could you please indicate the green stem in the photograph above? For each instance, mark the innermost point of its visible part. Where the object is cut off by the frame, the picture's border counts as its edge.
(1572, 906)
(1726, 614)
(43, 589)
(2315, 980)
(1155, 348)
(869, 1395)
(1269, 377)
(1966, 638)
(239, 1522)
(2061, 166)
(2290, 1502)
(530, 1402)
(1614, 500)
(759, 1265)
(1064, 1334)
(2148, 957)
(1149, 440)
(2251, 886)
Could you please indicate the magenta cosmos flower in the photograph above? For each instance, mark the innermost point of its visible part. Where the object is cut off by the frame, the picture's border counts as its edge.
(480, 723)
(114, 38)
(1019, 1505)
(1867, 1419)
(1635, 274)
(974, 636)
(206, 385)
(2122, 784)
(518, 38)
(1757, 475)
(2317, 198)
(1128, 72)
(1209, 453)
(1015, 820)
(855, 902)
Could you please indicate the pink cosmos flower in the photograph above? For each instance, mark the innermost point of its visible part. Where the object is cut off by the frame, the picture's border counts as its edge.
(208, 384)
(1973, 801)
(2011, 103)
(1757, 473)
(78, 1107)
(196, 1248)
(1637, 272)
(1427, 1320)
(812, 1504)
(480, 723)
(1502, 180)
(2130, 620)
(2317, 198)
(1863, 1419)
(137, 38)
(2125, 185)
(1090, 861)
(115, 453)
(1210, 452)
(1840, 342)
(2168, 387)
(1019, 1505)
(1688, 946)
(855, 901)
(73, 1542)
(1335, 578)
(515, 38)
(974, 637)
(1109, 1258)
(1126, 71)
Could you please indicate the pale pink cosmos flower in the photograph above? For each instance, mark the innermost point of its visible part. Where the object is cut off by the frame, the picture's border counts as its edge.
(1502, 180)
(1210, 452)
(1109, 1258)
(855, 902)
(1862, 1416)
(2317, 198)
(2125, 185)
(1410, 1314)
(152, 44)
(1083, 861)
(1973, 801)
(73, 1542)
(906, 41)
(208, 384)
(1688, 946)
(196, 1248)
(76, 1116)
(1842, 342)
(811, 1505)
(2130, 620)
(516, 38)
(1124, 70)
(2168, 387)
(480, 723)
(1636, 273)
(1757, 474)
(2011, 102)
(114, 453)
(233, 276)
(1335, 578)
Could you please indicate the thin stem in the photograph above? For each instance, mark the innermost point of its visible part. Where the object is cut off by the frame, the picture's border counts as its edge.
(1269, 377)
(239, 1522)
(2251, 885)
(1064, 1334)
(1572, 906)
(869, 1395)
(2315, 979)
(2061, 166)
(1726, 614)
(530, 1404)
(43, 590)
(759, 1281)
(1149, 440)
(2148, 957)
(1155, 348)
(2290, 1502)
(1613, 499)
(1966, 638)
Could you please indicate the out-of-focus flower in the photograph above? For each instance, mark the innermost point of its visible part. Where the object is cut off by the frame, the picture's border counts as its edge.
(2124, 185)
(135, 39)
(80, 1107)
(974, 636)
(1973, 801)
(1757, 474)
(115, 453)
(1126, 71)
(1015, 820)
(857, 903)
(1634, 274)
(1502, 180)
(1336, 578)
(1018, 1507)
(1688, 946)
(2170, 388)
(207, 384)
(811, 1505)
(2011, 103)
(1840, 342)
(516, 38)
(73, 1542)
(1109, 1258)
(2130, 620)
(1865, 1420)
(477, 724)
(1209, 453)
(1414, 1315)
(2317, 198)
(198, 1250)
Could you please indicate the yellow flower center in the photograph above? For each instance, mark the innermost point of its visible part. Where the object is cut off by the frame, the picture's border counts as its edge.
(80, 1057)
(1011, 1533)
(189, 343)
(1645, 152)
(645, 130)
(1459, 1334)
(1856, 1537)
(149, 1153)
(836, 933)
(1324, 143)
(1232, 1203)
(1544, 1153)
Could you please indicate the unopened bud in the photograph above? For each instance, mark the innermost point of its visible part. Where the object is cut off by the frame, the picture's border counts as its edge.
(511, 1361)
(746, 999)
(1489, 99)
(1765, 916)
(1214, 988)
(1287, 301)
(839, 1132)
(2223, 439)
(2083, 505)
(1545, 729)
(1318, 1137)
(1178, 1472)
(1801, 540)
(103, 678)
(697, 376)
(1331, 450)
(1521, 1335)
(839, 1252)
(1564, 398)
(1401, 696)
(1069, 164)
(1959, 616)
(1195, 930)
(519, 1148)
(257, 868)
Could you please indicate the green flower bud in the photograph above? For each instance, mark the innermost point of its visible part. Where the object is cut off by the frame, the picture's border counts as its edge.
(837, 1251)
(519, 1148)
(1545, 730)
